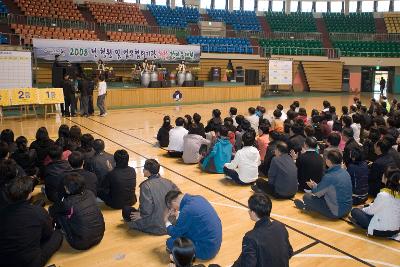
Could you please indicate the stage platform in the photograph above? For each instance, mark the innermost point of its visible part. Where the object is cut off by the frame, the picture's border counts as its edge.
(142, 97)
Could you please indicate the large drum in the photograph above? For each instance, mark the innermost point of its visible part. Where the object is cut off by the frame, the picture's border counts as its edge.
(181, 78)
(188, 76)
(172, 78)
(145, 79)
(154, 76)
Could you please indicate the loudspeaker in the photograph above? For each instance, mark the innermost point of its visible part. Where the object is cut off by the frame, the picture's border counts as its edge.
(188, 84)
(199, 83)
(57, 76)
(252, 77)
(166, 84)
(156, 84)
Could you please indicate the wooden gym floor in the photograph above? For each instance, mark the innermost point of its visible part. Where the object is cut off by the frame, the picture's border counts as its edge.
(316, 241)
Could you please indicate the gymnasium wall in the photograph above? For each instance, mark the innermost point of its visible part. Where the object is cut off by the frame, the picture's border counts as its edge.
(396, 89)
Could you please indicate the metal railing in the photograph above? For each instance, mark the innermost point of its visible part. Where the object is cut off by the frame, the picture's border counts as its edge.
(364, 37)
(331, 53)
(295, 35)
(369, 54)
(49, 22)
(180, 33)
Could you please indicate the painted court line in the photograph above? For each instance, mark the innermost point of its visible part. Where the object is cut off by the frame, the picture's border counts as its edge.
(315, 225)
(217, 192)
(343, 257)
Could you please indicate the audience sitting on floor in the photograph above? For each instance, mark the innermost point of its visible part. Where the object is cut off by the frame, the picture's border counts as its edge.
(53, 175)
(219, 154)
(282, 175)
(267, 244)
(76, 160)
(382, 217)
(27, 235)
(310, 164)
(101, 163)
(149, 217)
(163, 132)
(78, 215)
(197, 220)
(175, 146)
(332, 197)
(243, 169)
(117, 189)
(295, 152)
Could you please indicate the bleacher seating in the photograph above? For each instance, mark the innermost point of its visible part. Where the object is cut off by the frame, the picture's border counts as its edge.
(178, 17)
(353, 23)
(240, 20)
(3, 7)
(142, 37)
(60, 9)
(293, 22)
(4, 39)
(27, 32)
(293, 47)
(117, 13)
(392, 21)
(368, 48)
(222, 45)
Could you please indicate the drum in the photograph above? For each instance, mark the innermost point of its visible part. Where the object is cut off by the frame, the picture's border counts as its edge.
(188, 76)
(172, 78)
(145, 79)
(154, 76)
(181, 78)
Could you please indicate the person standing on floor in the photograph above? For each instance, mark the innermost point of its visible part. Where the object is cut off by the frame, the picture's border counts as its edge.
(268, 243)
(382, 85)
(101, 98)
(68, 108)
(91, 86)
(83, 90)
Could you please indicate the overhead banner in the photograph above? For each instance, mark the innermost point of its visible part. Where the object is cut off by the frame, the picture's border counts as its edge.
(84, 51)
(280, 72)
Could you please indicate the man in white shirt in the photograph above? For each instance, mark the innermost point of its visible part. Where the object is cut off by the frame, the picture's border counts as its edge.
(101, 98)
(253, 118)
(243, 169)
(175, 146)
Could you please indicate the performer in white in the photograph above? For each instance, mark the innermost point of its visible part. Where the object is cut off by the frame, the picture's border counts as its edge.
(182, 67)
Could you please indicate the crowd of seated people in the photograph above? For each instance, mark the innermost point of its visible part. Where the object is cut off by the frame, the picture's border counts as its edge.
(337, 160)
(296, 152)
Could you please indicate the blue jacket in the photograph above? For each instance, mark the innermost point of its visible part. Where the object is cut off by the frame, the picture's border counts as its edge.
(336, 189)
(199, 222)
(220, 154)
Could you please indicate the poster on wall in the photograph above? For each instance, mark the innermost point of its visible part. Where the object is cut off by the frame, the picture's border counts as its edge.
(15, 69)
(280, 72)
(85, 51)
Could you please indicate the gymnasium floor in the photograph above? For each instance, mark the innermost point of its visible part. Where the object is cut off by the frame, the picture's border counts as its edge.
(316, 241)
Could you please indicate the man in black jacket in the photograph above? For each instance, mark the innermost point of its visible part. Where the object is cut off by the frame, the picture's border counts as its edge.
(350, 144)
(27, 237)
(310, 165)
(117, 189)
(297, 140)
(101, 163)
(83, 87)
(78, 214)
(69, 95)
(76, 161)
(268, 243)
(54, 173)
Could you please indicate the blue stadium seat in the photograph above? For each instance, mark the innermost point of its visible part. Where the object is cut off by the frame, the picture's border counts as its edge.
(3, 7)
(178, 17)
(240, 20)
(221, 45)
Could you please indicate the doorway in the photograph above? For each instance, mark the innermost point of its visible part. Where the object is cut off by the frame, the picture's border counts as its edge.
(378, 75)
